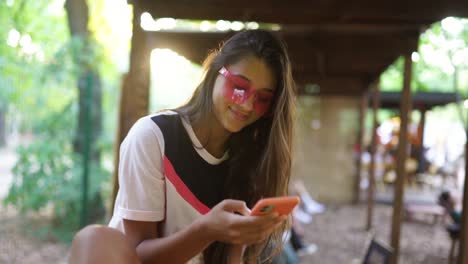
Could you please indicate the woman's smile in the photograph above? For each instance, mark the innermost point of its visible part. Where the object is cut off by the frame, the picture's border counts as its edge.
(238, 114)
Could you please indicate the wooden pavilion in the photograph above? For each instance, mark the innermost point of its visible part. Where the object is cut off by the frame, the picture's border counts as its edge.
(340, 47)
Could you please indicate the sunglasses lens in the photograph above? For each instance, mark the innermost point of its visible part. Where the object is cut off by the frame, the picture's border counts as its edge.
(238, 96)
(262, 102)
(260, 109)
(238, 90)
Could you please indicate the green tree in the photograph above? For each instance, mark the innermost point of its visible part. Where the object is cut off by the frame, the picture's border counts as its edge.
(43, 68)
(441, 62)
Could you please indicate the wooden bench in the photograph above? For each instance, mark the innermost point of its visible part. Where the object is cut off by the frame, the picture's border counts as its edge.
(436, 212)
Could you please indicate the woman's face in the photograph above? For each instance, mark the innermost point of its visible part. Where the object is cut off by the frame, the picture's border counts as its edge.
(242, 93)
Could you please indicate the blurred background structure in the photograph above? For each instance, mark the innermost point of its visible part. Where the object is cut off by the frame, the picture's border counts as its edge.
(381, 131)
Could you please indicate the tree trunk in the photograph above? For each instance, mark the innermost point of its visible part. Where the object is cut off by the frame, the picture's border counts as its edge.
(90, 106)
(78, 16)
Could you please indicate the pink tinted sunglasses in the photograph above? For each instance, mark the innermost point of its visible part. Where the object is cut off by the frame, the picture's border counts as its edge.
(238, 90)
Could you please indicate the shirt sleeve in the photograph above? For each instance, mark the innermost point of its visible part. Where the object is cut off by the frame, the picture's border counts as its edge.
(141, 194)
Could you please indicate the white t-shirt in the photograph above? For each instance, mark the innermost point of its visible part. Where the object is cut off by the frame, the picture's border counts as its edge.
(166, 176)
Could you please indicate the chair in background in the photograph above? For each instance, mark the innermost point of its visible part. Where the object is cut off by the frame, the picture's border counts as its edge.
(378, 253)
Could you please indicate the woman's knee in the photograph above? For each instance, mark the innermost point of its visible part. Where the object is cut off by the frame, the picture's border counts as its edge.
(101, 244)
(98, 233)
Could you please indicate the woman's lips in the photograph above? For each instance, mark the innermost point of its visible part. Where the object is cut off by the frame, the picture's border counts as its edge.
(239, 115)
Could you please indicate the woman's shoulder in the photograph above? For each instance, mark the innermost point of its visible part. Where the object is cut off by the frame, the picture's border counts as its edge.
(150, 129)
(147, 132)
(167, 112)
(149, 122)
(168, 121)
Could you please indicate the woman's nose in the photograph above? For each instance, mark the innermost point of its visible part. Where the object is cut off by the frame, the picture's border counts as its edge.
(248, 104)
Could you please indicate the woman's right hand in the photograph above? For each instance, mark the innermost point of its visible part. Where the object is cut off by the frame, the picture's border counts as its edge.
(230, 222)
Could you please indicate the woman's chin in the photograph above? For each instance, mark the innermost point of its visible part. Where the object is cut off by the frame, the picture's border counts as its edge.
(233, 128)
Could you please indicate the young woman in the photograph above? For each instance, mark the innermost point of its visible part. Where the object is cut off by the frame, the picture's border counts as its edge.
(189, 175)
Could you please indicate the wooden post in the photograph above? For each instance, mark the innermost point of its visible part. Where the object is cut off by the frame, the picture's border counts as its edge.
(463, 245)
(421, 129)
(360, 145)
(134, 101)
(373, 150)
(405, 107)
(121, 132)
(138, 80)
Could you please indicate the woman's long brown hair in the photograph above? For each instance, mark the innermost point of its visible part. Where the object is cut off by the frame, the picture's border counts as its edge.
(260, 154)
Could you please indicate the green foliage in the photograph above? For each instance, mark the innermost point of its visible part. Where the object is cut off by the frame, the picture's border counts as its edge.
(28, 79)
(392, 78)
(25, 82)
(435, 62)
(40, 90)
(49, 173)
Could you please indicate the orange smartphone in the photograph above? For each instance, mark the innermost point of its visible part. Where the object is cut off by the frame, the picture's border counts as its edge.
(282, 205)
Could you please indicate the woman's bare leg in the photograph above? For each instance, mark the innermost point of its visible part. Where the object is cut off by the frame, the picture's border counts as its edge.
(101, 244)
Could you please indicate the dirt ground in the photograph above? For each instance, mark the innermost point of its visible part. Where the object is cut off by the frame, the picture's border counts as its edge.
(19, 245)
(339, 234)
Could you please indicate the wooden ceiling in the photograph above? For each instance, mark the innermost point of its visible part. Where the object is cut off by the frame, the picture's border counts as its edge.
(340, 45)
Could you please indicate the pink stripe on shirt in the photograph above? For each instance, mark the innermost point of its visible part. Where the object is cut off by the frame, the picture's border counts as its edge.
(182, 189)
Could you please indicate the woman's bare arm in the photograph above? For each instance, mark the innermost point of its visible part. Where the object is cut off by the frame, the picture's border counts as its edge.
(220, 224)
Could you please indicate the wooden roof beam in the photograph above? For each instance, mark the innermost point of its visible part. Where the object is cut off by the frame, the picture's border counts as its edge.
(302, 12)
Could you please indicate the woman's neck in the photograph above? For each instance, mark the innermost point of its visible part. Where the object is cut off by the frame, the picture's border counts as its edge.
(212, 135)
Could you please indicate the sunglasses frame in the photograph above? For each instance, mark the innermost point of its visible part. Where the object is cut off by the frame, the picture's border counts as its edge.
(246, 91)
